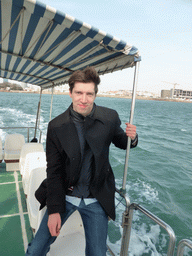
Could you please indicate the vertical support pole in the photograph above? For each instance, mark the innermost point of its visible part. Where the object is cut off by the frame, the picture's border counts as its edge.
(37, 117)
(126, 224)
(40, 136)
(131, 122)
(39, 114)
(51, 104)
(27, 134)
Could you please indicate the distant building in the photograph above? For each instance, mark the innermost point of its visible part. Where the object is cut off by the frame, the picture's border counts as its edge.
(182, 94)
(146, 94)
(176, 94)
(165, 94)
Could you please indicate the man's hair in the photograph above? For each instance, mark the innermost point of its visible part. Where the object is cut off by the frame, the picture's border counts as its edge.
(87, 75)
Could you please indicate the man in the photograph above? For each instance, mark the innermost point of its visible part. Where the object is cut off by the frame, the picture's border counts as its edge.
(79, 175)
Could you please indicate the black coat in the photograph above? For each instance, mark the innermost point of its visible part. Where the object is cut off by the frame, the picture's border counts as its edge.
(64, 157)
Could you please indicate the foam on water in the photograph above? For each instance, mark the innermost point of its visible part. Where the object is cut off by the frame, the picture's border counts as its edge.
(145, 237)
(17, 116)
(2, 134)
(12, 117)
(143, 241)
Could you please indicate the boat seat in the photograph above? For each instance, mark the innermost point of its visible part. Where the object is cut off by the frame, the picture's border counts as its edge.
(12, 150)
(28, 148)
(36, 177)
(71, 240)
(1, 150)
(33, 160)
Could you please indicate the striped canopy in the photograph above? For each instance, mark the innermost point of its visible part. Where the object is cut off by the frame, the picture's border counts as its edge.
(42, 46)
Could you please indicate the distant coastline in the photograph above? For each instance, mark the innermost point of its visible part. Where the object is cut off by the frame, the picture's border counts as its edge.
(104, 95)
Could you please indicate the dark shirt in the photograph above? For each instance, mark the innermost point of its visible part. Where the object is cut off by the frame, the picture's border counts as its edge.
(81, 189)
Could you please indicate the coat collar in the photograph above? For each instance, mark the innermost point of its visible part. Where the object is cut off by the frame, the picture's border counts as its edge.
(66, 130)
(97, 115)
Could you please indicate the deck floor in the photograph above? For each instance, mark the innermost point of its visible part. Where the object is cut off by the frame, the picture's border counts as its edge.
(15, 230)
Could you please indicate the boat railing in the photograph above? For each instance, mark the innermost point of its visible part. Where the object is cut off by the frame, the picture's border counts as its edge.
(161, 223)
(127, 224)
(27, 132)
(181, 246)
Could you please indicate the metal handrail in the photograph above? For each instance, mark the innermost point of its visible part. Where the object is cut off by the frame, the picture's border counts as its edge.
(127, 223)
(28, 128)
(161, 223)
(126, 198)
(181, 246)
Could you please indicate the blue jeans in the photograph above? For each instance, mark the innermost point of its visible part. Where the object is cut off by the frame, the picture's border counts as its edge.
(95, 223)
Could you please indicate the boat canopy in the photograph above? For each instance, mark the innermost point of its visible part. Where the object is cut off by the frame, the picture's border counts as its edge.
(41, 46)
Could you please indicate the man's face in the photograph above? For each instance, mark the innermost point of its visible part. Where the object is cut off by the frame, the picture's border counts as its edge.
(83, 96)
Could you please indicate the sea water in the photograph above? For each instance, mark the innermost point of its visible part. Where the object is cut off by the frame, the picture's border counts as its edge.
(160, 167)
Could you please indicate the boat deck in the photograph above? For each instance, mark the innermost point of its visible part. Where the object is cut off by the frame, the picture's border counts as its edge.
(15, 230)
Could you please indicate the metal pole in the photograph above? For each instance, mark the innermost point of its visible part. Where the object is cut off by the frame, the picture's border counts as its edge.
(162, 224)
(51, 103)
(131, 122)
(126, 224)
(181, 246)
(39, 109)
(37, 117)
(28, 135)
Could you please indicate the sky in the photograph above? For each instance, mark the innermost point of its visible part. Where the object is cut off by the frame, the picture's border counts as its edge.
(161, 30)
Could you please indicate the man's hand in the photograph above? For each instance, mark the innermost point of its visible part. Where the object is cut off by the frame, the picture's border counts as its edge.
(130, 130)
(54, 224)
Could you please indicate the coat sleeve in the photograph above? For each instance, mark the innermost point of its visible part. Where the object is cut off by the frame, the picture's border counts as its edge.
(120, 138)
(55, 188)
